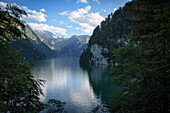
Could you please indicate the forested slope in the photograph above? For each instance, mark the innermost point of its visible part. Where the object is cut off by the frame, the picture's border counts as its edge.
(32, 47)
(108, 35)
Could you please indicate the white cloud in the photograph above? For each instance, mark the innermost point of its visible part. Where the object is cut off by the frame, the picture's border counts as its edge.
(82, 1)
(85, 19)
(14, 4)
(96, 1)
(32, 14)
(43, 10)
(104, 10)
(77, 28)
(63, 23)
(115, 9)
(3, 4)
(86, 28)
(46, 27)
(64, 13)
(69, 26)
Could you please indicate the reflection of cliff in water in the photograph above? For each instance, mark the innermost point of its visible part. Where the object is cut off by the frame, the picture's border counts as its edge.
(100, 81)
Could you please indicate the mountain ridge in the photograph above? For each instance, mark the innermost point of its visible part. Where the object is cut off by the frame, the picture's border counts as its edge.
(107, 36)
(72, 46)
(32, 47)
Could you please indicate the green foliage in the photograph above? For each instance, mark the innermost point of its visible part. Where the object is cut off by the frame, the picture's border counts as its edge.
(85, 56)
(10, 23)
(142, 65)
(111, 32)
(19, 90)
(100, 109)
(27, 49)
(55, 106)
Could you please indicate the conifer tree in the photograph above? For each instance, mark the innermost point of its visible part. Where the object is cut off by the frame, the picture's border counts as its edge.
(19, 90)
(142, 71)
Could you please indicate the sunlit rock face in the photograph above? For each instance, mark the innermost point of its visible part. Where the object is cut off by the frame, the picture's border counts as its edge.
(97, 57)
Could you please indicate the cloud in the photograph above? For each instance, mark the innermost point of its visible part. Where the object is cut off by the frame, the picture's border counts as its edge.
(85, 19)
(43, 10)
(104, 10)
(82, 1)
(32, 14)
(77, 28)
(115, 9)
(96, 1)
(63, 23)
(86, 28)
(46, 27)
(64, 13)
(3, 4)
(69, 26)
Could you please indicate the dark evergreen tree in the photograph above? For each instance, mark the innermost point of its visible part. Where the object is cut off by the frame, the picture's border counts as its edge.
(19, 90)
(143, 69)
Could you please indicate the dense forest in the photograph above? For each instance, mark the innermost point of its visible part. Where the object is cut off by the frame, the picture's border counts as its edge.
(27, 49)
(110, 33)
(137, 37)
(135, 40)
(143, 69)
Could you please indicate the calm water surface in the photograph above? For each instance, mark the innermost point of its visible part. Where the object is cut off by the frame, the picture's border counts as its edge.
(82, 87)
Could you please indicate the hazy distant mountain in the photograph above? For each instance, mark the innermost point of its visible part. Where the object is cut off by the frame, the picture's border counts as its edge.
(49, 38)
(65, 46)
(46, 34)
(73, 46)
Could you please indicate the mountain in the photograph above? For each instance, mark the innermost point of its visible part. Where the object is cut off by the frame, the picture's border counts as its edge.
(49, 38)
(73, 46)
(33, 47)
(27, 49)
(45, 34)
(38, 43)
(107, 36)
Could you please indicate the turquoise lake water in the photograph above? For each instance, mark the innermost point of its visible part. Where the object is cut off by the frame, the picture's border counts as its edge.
(82, 87)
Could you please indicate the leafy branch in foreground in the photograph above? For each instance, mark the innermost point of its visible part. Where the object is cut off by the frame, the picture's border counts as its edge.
(101, 109)
(10, 23)
(19, 90)
(55, 106)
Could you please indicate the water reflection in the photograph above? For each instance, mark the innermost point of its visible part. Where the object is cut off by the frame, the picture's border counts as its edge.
(100, 80)
(82, 87)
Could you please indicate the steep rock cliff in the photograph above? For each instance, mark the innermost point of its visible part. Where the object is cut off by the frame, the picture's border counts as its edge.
(108, 35)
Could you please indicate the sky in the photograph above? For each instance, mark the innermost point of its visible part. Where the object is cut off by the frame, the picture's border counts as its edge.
(65, 18)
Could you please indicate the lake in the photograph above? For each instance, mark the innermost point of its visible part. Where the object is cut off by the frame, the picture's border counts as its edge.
(82, 87)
